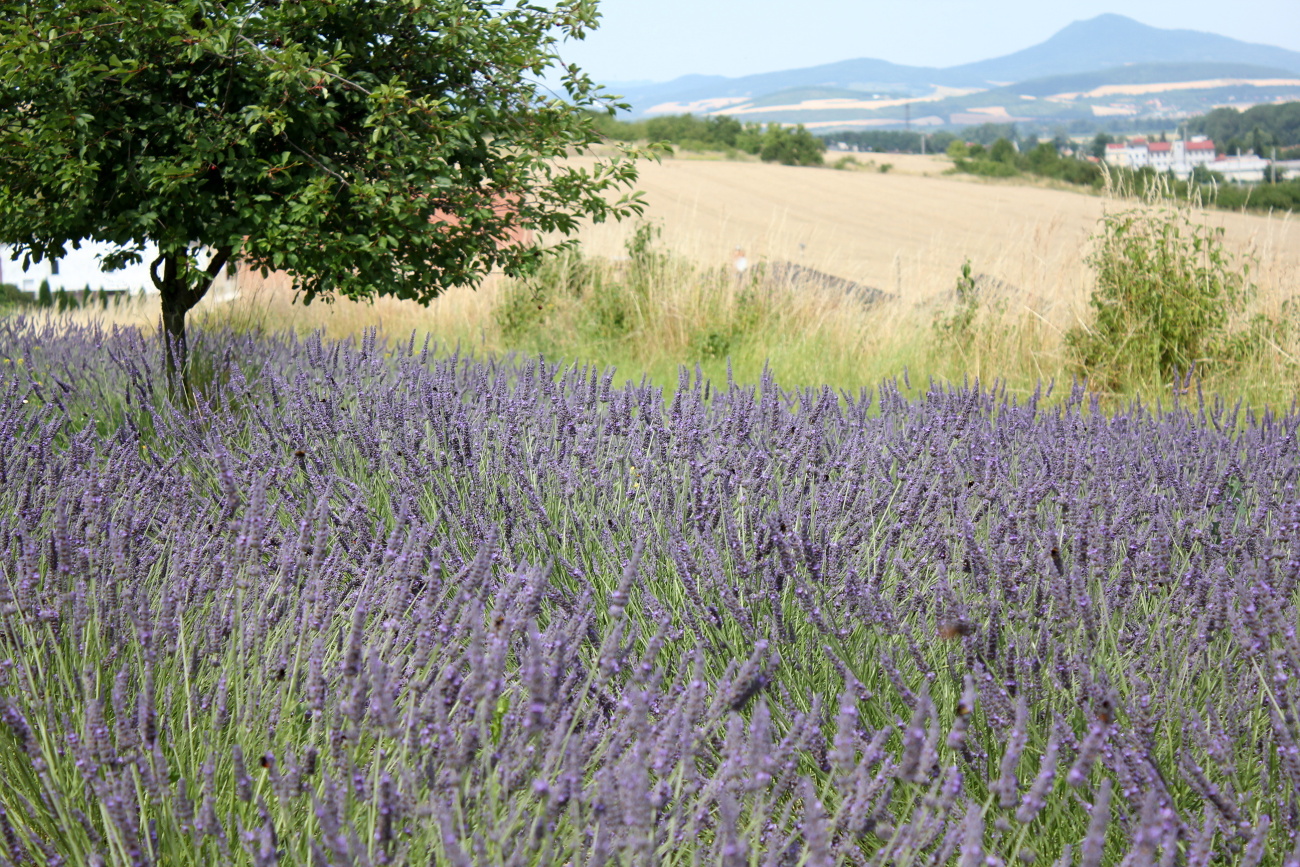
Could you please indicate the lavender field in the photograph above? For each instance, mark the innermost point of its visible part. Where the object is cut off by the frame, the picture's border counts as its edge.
(381, 604)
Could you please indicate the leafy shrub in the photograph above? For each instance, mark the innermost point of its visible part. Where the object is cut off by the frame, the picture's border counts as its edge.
(12, 296)
(607, 303)
(958, 326)
(526, 304)
(1166, 290)
(1003, 151)
(986, 168)
(791, 146)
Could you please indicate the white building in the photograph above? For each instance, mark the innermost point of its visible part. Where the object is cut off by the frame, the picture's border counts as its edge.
(81, 268)
(1241, 168)
(1179, 157)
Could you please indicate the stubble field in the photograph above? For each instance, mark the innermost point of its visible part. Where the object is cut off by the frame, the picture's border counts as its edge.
(906, 231)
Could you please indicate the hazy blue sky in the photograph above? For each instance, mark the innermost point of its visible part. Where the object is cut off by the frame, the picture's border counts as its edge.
(659, 40)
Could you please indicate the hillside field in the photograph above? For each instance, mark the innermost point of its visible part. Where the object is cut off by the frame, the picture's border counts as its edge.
(906, 231)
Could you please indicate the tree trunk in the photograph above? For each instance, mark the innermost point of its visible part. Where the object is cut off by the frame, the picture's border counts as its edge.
(181, 286)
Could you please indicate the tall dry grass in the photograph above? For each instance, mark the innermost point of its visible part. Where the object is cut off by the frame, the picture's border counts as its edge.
(675, 300)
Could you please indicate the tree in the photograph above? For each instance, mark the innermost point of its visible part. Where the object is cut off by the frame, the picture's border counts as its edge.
(44, 297)
(1003, 151)
(791, 147)
(1099, 142)
(393, 148)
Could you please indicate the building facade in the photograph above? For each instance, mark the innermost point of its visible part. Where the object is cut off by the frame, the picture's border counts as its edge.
(1180, 157)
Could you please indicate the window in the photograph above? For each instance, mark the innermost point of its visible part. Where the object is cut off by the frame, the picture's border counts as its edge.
(54, 267)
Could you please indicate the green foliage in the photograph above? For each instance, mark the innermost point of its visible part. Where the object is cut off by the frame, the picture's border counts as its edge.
(1203, 174)
(699, 133)
(12, 296)
(619, 306)
(986, 168)
(892, 141)
(610, 127)
(1003, 151)
(958, 150)
(957, 327)
(44, 297)
(989, 133)
(366, 148)
(1166, 291)
(885, 168)
(791, 146)
(1044, 160)
(1099, 142)
(1256, 128)
(685, 132)
(607, 306)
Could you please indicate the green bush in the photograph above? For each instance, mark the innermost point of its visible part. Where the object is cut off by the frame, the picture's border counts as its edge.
(987, 168)
(44, 298)
(1166, 290)
(527, 305)
(12, 296)
(1003, 151)
(958, 326)
(791, 147)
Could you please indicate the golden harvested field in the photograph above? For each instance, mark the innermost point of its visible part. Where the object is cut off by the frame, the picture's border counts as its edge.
(907, 231)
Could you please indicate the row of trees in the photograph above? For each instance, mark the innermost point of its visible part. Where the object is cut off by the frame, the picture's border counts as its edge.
(1258, 129)
(1005, 159)
(1044, 159)
(893, 141)
(58, 299)
(772, 143)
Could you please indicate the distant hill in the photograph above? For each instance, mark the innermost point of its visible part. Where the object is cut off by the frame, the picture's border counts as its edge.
(1114, 40)
(1146, 73)
(1109, 51)
(864, 76)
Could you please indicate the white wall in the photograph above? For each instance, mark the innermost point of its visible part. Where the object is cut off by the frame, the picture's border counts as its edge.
(78, 268)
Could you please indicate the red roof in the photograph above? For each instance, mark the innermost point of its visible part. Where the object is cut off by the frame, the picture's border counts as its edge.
(1137, 141)
(1116, 146)
(1200, 145)
(1159, 147)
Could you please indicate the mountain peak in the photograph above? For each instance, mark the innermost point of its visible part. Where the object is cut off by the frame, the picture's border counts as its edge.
(1111, 40)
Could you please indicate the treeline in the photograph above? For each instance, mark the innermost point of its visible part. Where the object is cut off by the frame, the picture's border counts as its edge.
(1005, 159)
(794, 146)
(1257, 130)
(889, 141)
(60, 299)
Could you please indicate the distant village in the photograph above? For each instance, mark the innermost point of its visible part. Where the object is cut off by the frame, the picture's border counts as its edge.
(1182, 157)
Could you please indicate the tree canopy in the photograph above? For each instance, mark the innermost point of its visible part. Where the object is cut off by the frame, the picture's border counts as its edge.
(367, 148)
